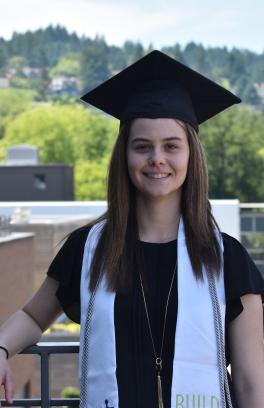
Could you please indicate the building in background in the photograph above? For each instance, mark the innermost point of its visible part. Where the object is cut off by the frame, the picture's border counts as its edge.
(17, 280)
(24, 263)
(22, 178)
(252, 232)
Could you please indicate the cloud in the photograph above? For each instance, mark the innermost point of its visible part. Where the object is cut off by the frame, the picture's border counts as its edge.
(160, 22)
(117, 20)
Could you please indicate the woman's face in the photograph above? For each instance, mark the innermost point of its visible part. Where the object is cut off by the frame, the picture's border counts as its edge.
(157, 157)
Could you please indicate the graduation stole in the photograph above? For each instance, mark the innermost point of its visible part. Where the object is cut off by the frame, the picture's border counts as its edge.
(195, 380)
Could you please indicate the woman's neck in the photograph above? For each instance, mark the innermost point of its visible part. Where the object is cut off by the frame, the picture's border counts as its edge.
(158, 220)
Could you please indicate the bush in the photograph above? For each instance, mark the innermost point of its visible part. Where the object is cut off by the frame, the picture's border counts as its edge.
(70, 392)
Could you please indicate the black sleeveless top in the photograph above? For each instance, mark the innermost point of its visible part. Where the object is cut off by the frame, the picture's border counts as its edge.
(136, 373)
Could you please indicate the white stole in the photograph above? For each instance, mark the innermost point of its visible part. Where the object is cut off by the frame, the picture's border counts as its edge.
(195, 381)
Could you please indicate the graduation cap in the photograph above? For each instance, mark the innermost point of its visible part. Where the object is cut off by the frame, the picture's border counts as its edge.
(158, 86)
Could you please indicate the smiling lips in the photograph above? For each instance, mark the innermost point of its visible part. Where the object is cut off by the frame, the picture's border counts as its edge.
(157, 175)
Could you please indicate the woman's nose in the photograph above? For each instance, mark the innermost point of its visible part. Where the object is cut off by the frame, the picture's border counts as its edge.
(156, 157)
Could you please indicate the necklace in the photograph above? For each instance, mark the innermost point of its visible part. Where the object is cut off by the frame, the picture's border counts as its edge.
(158, 358)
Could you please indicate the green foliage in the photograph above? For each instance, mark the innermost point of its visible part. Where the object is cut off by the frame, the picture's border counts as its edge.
(70, 392)
(93, 61)
(12, 102)
(63, 133)
(253, 241)
(93, 64)
(68, 65)
(62, 99)
(83, 138)
(46, 128)
(194, 55)
(95, 135)
(20, 82)
(3, 58)
(116, 59)
(44, 47)
(90, 180)
(133, 51)
(49, 128)
(175, 52)
(39, 85)
(68, 134)
(233, 143)
(17, 62)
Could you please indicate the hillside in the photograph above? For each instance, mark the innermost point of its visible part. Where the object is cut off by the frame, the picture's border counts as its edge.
(54, 62)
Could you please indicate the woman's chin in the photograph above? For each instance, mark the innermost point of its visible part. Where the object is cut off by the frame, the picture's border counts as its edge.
(160, 195)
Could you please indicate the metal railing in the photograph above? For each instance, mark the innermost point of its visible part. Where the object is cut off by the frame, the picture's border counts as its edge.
(44, 350)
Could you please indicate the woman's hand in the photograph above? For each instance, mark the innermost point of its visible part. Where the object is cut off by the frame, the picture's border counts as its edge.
(6, 378)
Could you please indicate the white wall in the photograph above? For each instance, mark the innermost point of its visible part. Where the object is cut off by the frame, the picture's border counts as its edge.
(227, 215)
(226, 212)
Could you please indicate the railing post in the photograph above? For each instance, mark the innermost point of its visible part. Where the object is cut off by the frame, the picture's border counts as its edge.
(45, 396)
(45, 401)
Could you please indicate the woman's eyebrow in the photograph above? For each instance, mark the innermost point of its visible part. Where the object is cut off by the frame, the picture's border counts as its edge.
(171, 138)
(166, 139)
(141, 139)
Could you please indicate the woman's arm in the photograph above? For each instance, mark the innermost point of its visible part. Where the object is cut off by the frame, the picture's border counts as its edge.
(25, 328)
(247, 353)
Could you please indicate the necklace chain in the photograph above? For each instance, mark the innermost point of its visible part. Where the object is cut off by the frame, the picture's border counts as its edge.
(158, 359)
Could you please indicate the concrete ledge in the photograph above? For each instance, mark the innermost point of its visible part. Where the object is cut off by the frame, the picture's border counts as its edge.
(14, 236)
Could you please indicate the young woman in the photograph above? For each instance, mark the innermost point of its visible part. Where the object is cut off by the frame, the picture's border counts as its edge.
(165, 300)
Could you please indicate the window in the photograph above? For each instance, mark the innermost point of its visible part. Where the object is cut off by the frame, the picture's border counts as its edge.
(40, 182)
(246, 223)
(260, 224)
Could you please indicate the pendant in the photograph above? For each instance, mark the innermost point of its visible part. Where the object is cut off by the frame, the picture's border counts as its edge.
(159, 391)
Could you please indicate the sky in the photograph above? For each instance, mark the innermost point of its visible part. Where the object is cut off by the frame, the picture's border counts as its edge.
(231, 23)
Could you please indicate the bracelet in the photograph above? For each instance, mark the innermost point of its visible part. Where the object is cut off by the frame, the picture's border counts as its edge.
(7, 353)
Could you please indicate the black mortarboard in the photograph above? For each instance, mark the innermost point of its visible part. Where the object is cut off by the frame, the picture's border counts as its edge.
(158, 86)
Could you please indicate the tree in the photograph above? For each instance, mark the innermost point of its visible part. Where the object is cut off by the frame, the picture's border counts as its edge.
(12, 103)
(68, 65)
(175, 52)
(90, 180)
(233, 143)
(116, 59)
(72, 135)
(17, 62)
(95, 136)
(63, 134)
(3, 57)
(247, 91)
(194, 55)
(48, 128)
(94, 65)
(52, 49)
(133, 51)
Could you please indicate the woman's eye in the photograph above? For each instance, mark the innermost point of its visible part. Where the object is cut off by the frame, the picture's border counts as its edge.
(142, 147)
(171, 146)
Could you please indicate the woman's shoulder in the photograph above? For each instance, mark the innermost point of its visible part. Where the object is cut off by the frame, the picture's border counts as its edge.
(78, 235)
(69, 256)
(231, 242)
(77, 238)
(236, 257)
(241, 274)
(235, 251)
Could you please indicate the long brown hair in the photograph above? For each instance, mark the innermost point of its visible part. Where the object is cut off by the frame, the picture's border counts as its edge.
(118, 251)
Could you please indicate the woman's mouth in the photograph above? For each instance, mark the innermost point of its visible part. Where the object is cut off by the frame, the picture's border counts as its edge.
(157, 175)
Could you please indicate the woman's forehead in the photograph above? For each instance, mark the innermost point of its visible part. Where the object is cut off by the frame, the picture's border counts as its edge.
(156, 128)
